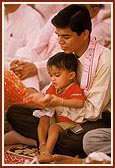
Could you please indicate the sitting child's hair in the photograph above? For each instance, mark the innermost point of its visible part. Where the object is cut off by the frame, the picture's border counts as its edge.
(63, 61)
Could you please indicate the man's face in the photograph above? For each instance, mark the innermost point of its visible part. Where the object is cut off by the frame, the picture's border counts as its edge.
(69, 40)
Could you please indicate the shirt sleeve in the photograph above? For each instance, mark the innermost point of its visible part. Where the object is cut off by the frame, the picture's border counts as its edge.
(100, 93)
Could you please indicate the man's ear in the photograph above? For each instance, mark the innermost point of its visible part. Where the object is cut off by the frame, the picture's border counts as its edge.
(85, 34)
(72, 75)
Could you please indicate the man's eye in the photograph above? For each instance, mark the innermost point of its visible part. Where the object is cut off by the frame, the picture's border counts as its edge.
(66, 37)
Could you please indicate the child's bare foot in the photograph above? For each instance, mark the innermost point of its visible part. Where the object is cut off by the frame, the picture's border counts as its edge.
(45, 158)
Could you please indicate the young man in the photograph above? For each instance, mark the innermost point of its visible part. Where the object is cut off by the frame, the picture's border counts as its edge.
(73, 27)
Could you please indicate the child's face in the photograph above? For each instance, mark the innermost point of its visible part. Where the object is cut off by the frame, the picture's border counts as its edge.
(60, 78)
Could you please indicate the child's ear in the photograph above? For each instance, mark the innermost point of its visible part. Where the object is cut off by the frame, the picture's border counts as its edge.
(72, 75)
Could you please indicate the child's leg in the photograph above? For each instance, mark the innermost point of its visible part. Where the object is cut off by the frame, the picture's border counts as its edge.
(43, 127)
(53, 134)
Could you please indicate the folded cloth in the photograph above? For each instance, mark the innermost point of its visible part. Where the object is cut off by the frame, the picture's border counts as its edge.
(97, 156)
(47, 111)
(34, 161)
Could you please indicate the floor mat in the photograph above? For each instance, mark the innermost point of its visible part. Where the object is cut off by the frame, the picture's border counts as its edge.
(17, 154)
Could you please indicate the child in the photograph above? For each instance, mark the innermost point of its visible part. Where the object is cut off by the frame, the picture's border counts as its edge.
(62, 92)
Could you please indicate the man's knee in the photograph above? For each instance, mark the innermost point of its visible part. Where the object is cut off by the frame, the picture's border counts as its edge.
(69, 144)
(88, 142)
(9, 114)
(15, 114)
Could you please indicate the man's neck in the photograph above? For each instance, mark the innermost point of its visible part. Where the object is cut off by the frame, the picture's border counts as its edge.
(82, 49)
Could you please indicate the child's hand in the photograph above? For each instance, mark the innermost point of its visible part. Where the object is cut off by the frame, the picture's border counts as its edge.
(37, 100)
(55, 101)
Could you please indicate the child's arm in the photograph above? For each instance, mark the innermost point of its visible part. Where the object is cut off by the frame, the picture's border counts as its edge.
(38, 100)
(74, 103)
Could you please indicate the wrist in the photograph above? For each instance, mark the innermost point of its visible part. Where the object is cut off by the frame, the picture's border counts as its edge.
(62, 102)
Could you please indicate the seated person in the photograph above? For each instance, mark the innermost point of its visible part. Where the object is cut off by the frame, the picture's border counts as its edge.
(62, 69)
(73, 27)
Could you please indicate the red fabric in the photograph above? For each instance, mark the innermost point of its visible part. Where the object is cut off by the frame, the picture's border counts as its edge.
(73, 92)
(64, 119)
(14, 89)
(13, 159)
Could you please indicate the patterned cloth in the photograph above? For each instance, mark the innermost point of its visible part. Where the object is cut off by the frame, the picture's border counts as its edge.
(14, 89)
(19, 154)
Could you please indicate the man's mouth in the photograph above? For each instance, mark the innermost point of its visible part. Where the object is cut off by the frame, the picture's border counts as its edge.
(63, 48)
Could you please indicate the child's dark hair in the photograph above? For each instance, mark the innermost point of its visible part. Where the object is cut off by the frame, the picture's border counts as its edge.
(63, 61)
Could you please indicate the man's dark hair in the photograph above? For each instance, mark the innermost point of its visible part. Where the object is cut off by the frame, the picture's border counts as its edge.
(74, 16)
(63, 61)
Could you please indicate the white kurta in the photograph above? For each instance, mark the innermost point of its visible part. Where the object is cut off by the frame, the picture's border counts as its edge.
(99, 96)
(20, 30)
(47, 10)
(46, 45)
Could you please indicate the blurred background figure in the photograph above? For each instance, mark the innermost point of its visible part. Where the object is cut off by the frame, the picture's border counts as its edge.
(21, 25)
(104, 16)
(101, 22)
(47, 10)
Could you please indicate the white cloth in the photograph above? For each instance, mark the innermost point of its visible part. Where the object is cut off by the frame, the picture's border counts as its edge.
(101, 26)
(20, 30)
(92, 139)
(98, 30)
(20, 34)
(47, 111)
(92, 55)
(98, 156)
(47, 10)
(99, 95)
(46, 45)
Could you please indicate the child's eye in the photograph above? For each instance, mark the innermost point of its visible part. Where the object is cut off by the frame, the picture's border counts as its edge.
(57, 75)
(50, 75)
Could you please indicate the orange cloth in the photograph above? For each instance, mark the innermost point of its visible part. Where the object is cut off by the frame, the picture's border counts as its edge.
(14, 89)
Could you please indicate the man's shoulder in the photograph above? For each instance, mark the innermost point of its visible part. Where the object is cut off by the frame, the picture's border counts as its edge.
(106, 55)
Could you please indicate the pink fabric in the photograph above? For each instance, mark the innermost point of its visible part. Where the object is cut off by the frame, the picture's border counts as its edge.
(90, 64)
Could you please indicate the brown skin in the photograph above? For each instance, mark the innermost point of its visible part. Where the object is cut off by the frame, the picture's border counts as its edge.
(10, 8)
(62, 159)
(23, 69)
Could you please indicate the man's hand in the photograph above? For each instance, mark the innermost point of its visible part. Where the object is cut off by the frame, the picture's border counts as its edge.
(37, 100)
(23, 69)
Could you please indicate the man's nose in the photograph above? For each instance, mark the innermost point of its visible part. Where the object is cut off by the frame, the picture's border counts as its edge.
(60, 40)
